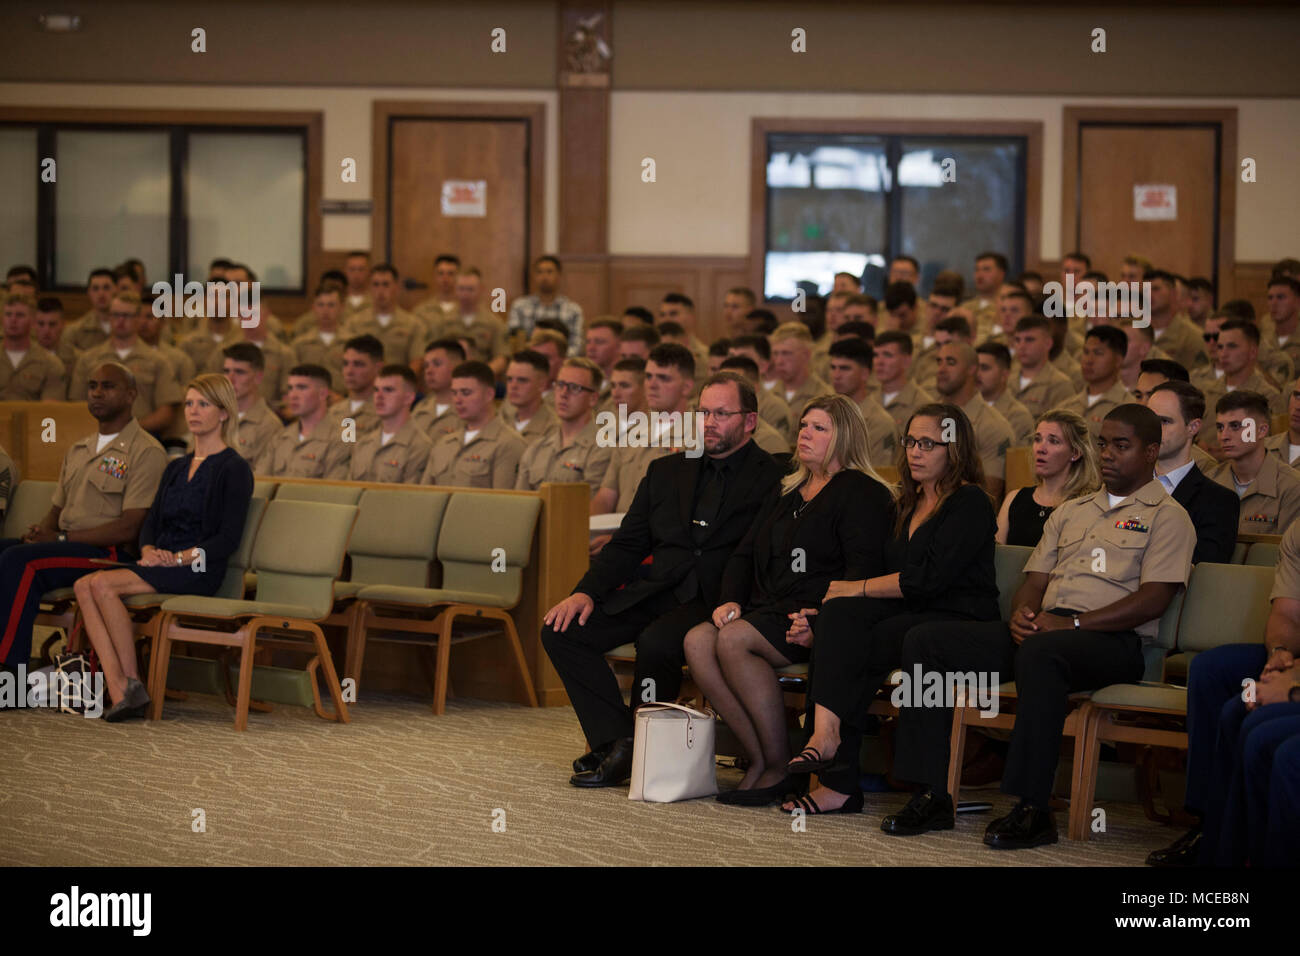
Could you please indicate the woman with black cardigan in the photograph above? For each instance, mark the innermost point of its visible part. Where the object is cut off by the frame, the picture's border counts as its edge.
(194, 525)
(832, 520)
(942, 550)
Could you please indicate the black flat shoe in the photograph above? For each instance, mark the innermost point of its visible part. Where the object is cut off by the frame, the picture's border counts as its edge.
(926, 811)
(1024, 827)
(1182, 852)
(134, 703)
(590, 760)
(809, 806)
(758, 796)
(803, 764)
(614, 770)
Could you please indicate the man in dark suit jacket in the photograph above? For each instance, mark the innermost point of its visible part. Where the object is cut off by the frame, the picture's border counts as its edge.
(1212, 507)
(688, 515)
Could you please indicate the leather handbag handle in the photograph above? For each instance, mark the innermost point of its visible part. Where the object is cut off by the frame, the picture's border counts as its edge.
(690, 713)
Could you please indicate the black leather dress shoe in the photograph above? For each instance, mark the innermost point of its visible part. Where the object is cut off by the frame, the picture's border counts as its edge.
(926, 811)
(590, 760)
(615, 769)
(1182, 852)
(1024, 827)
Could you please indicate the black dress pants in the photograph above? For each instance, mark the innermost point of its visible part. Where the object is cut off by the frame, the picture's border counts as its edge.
(1049, 667)
(658, 625)
(922, 742)
(857, 642)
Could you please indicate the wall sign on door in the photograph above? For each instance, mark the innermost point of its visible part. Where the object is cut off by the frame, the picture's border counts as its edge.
(464, 197)
(1155, 202)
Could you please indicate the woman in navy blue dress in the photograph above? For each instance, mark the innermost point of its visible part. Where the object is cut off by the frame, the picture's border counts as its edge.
(193, 527)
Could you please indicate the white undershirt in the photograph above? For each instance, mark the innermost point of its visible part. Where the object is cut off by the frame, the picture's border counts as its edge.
(521, 425)
(15, 357)
(1025, 382)
(440, 410)
(887, 397)
(328, 337)
(122, 353)
(383, 320)
(471, 435)
(357, 404)
(1115, 499)
(105, 441)
(468, 320)
(1294, 450)
(1093, 400)
(386, 437)
(356, 300)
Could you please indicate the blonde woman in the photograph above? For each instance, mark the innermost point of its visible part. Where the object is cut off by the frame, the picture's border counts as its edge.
(831, 521)
(191, 530)
(1065, 464)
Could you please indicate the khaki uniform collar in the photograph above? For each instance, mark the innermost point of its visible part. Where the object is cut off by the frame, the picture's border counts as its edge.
(1152, 493)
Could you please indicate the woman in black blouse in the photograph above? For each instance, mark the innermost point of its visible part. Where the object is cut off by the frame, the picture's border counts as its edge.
(942, 550)
(1065, 464)
(832, 520)
(193, 527)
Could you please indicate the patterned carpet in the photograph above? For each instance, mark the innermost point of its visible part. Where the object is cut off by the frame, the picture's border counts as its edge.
(400, 786)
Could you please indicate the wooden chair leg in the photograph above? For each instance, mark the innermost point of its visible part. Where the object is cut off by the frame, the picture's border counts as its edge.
(245, 692)
(160, 659)
(331, 680)
(441, 668)
(956, 751)
(355, 651)
(530, 692)
(1086, 783)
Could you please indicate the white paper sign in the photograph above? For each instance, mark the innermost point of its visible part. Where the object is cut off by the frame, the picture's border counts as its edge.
(1155, 202)
(464, 197)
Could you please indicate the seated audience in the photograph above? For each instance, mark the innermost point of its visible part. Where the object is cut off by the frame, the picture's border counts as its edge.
(91, 329)
(363, 357)
(546, 302)
(1175, 333)
(992, 375)
(311, 446)
(473, 321)
(1079, 625)
(1037, 384)
(29, 372)
(484, 452)
(398, 450)
(1212, 507)
(443, 304)
(255, 425)
(322, 343)
(48, 331)
(105, 487)
(792, 366)
(942, 548)
(772, 407)
(1103, 352)
(615, 602)
(400, 333)
(1065, 467)
(1269, 490)
(434, 413)
(837, 513)
(850, 368)
(193, 526)
(735, 304)
(891, 360)
(636, 341)
(765, 436)
(955, 381)
(527, 376)
(1285, 446)
(569, 452)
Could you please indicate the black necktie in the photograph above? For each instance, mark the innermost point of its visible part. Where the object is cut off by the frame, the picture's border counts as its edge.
(708, 500)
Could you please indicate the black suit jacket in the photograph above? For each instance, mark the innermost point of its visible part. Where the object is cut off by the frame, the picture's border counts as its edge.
(1213, 510)
(658, 524)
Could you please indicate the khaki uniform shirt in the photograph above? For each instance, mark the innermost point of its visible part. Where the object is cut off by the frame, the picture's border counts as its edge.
(485, 330)
(774, 410)
(155, 378)
(1073, 371)
(1255, 382)
(435, 425)
(1022, 423)
(491, 460)
(627, 466)
(882, 432)
(1286, 577)
(812, 387)
(1114, 396)
(202, 344)
(770, 440)
(993, 436)
(278, 358)
(1279, 446)
(1097, 555)
(86, 333)
(321, 454)
(983, 312)
(95, 487)
(1270, 503)
(904, 403)
(537, 428)
(256, 430)
(351, 307)
(1181, 338)
(40, 376)
(1204, 460)
(9, 478)
(434, 313)
(401, 461)
(404, 336)
(582, 460)
(1047, 391)
(365, 417)
(68, 355)
(1277, 363)
(310, 348)
(1291, 348)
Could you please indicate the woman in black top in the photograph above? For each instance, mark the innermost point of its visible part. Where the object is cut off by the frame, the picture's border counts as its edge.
(832, 520)
(192, 528)
(1065, 464)
(942, 549)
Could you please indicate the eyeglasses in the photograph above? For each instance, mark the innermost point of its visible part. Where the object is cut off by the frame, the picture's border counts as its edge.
(1210, 336)
(723, 417)
(925, 444)
(570, 387)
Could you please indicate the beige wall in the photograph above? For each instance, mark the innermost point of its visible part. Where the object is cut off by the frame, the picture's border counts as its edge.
(347, 129)
(700, 142)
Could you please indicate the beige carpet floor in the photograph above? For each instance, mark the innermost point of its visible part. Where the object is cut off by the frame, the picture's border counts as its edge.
(400, 786)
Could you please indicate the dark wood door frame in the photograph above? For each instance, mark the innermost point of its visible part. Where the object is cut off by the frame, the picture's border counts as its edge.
(386, 111)
(1077, 117)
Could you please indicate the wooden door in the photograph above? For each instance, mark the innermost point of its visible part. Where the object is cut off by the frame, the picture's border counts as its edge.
(436, 205)
(1178, 227)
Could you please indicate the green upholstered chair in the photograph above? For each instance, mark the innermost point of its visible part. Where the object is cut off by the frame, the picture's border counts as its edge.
(309, 491)
(483, 547)
(297, 552)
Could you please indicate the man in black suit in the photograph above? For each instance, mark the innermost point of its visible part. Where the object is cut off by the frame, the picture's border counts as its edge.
(1212, 507)
(689, 513)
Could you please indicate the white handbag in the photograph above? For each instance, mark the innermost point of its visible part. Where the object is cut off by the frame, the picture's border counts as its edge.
(672, 754)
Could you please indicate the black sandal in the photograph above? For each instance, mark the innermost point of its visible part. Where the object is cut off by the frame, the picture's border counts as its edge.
(810, 808)
(801, 764)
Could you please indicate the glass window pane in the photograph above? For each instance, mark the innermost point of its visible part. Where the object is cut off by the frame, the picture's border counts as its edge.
(946, 224)
(18, 171)
(826, 211)
(112, 202)
(244, 200)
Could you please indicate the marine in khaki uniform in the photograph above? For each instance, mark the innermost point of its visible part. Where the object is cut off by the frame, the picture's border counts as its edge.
(485, 330)
(277, 357)
(993, 376)
(540, 424)
(361, 411)
(1017, 416)
(1047, 390)
(1103, 355)
(1066, 364)
(320, 453)
(524, 411)
(850, 370)
(902, 405)
(258, 426)
(1254, 382)
(792, 345)
(92, 328)
(1269, 490)
(882, 433)
(435, 418)
(570, 452)
(204, 345)
(1094, 408)
(40, 376)
(403, 335)
(97, 484)
(769, 439)
(1182, 340)
(891, 361)
(773, 409)
(402, 459)
(489, 459)
(627, 466)
(957, 384)
(1284, 448)
(1238, 357)
(321, 348)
